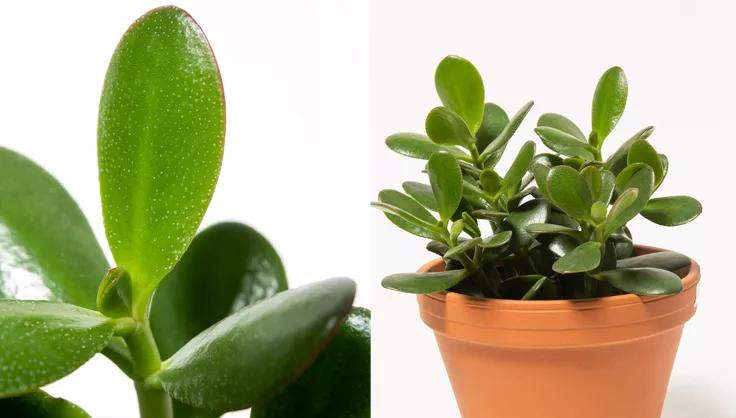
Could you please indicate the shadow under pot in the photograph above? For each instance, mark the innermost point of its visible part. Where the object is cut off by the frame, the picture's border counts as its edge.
(605, 358)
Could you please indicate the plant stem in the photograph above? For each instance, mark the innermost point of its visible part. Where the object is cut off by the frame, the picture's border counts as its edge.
(153, 402)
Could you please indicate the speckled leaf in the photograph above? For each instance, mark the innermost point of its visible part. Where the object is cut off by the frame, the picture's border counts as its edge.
(337, 384)
(160, 142)
(39, 404)
(43, 341)
(270, 342)
(47, 249)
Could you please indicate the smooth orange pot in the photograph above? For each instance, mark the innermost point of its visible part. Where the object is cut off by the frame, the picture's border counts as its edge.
(594, 358)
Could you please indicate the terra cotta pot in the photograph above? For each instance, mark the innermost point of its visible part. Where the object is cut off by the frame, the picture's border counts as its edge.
(595, 358)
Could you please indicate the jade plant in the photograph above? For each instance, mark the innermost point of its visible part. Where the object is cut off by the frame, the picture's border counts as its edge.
(550, 226)
(201, 324)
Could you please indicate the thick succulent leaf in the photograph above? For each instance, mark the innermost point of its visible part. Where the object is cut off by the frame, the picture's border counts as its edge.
(551, 229)
(446, 127)
(623, 243)
(642, 151)
(620, 212)
(228, 266)
(637, 176)
(278, 338)
(617, 161)
(422, 193)
(503, 138)
(47, 248)
(532, 286)
(471, 225)
(423, 282)
(43, 341)
(39, 404)
(531, 212)
(160, 141)
(585, 257)
(569, 192)
(643, 280)
(564, 143)
(594, 179)
(114, 297)
(561, 123)
(489, 214)
(609, 102)
(518, 167)
(665, 260)
(560, 245)
(672, 210)
(541, 172)
(337, 384)
(460, 88)
(490, 181)
(418, 146)
(496, 240)
(407, 214)
(608, 185)
(463, 246)
(447, 183)
(494, 121)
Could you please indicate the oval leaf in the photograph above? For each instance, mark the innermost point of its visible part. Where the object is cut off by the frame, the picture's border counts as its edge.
(407, 221)
(39, 404)
(561, 123)
(642, 151)
(337, 384)
(531, 212)
(447, 183)
(665, 260)
(617, 161)
(569, 192)
(160, 142)
(422, 193)
(672, 210)
(584, 257)
(503, 138)
(564, 143)
(551, 229)
(418, 146)
(445, 127)
(494, 121)
(43, 341)
(423, 282)
(643, 280)
(47, 248)
(496, 240)
(460, 88)
(518, 167)
(609, 101)
(620, 213)
(279, 337)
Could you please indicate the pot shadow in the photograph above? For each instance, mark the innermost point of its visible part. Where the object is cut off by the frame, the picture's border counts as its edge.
(689, 402)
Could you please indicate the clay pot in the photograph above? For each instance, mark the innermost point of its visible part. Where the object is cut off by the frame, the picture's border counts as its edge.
(594, 358)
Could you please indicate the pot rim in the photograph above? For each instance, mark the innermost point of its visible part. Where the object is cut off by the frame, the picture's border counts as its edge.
(690, 277)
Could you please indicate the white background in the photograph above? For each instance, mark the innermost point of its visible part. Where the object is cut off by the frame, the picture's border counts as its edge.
(681, 70)
(296, 155)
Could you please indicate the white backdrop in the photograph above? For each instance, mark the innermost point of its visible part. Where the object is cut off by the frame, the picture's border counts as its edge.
(680, 70)
(296, 155)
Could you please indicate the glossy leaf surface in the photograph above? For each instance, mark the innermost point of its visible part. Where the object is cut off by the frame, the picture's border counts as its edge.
(532, 212)
(337, 384)
(518, 167)
(281, 336)
(672, 210)
(47, 248)
(564, 143)
(417, 146)
(447, 183)
(460, 88)
(496, 240)
(446, 127)
(617, 161)
(569, 192)
(665, 260)
(39, 404)
(585, 257)
(609, 101)
(561, 123)
(503, 138)
(533, 286)
(620, 212)
(160, 142)
(422, 193)
(494, 121)
(643, 280)
(642, 151)
(423, 282)
(43, 341)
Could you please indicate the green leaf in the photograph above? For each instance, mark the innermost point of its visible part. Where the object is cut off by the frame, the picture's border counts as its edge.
(636, 176)
(489, 214)
(160, 141)
(496, 240)
(620, 212)
(490, 181)
(594, 179)
(536, 289)
(642, 151)
(643, 280)
(422, 193)
(540, 172)
(114, 297)
(424, 282)
(531, 286)
(564, 143)
(228, 266)
(609, 101)
(569, 192)
(447, 183)
(519, 167)
(418, 146)
(503, 138)
(617, 161)
(531, 212)
(561, 123)
(672, 210)
(47, 248)
(608, 185)
(463, 247)
(551, 229)
(584, 257)
(407, 214)
(39, 404)
(471, 225)
(44, 341)
(445, 127)
(494, 121)
(337, 384)
(665, 260)
(460, 88)
(281, 336)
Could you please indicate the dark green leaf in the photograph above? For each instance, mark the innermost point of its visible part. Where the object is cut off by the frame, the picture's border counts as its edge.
(569, 192)
(643, 152)
(417, 146)
(445, 127)
(422, 193)
(609, 101)
(643, 280)
(561, 123)
(281, 336)
(620, 212)
(519, 167)
(39, 404)
(518, 287)
(564, 143)
(665, 260)
(437, 247)
(462, 247)
(636, 176)
(47, 248)
(489, 214)
(490, 181)
(494, 120)
(44, 341)
(160, 141)
(337, 384)
(503, 138)
(423, 282)
(460, 88)
(531, 212)
(584, 257)
(496, 240)
(536, 289)
(447, 183)
(672, 210)
(617, 161)
(471, 226)
(551, 229)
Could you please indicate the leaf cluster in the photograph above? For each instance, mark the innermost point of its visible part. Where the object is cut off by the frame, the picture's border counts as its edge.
(553, 224)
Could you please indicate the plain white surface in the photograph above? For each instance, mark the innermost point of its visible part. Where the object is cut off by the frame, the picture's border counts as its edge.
(295, 167)
(680, 71)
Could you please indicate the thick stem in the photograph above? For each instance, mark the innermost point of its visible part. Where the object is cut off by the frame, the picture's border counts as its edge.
(153, 402)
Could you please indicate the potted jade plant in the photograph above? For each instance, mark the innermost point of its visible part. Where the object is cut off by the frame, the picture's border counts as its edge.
(541, 304)
(201, 324)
